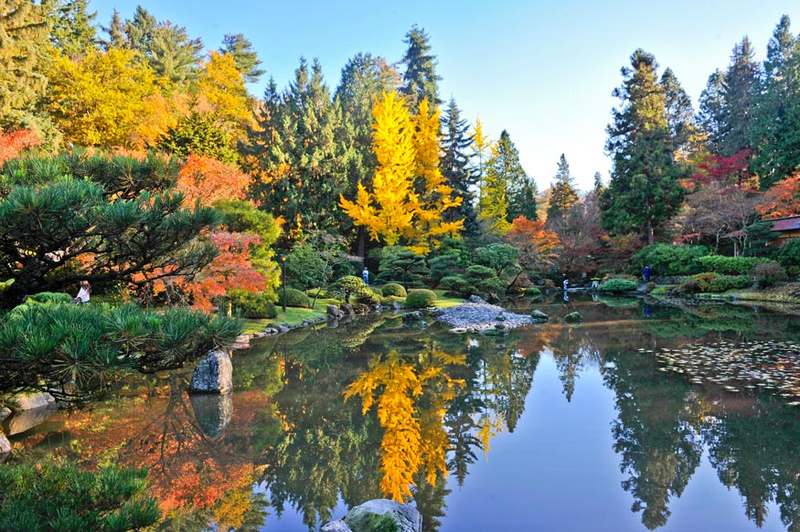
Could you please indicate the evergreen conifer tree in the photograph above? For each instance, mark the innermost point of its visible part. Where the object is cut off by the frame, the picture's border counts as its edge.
(247, 61)
(456, 168)
(644, 189)
(420, 80)
(564, 195)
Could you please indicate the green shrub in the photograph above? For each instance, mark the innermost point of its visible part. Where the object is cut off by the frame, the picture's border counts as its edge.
(349, 284)
(789, 255)
(730, 265)
(455, 283)
(666, 259)
(768, 274)
(617, 285)
(58, 496)
(368, 297)
(420, 298)
(709, 282)
(50, 297)
(393, 289)
(252, 305)
(532, 291)
(294, 298)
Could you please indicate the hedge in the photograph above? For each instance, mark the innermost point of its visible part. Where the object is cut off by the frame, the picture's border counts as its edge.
(420, 298)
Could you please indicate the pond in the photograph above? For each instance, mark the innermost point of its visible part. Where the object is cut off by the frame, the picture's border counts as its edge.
(610, 424)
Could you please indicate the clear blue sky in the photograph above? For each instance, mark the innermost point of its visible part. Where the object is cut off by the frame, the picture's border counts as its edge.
(541, 69)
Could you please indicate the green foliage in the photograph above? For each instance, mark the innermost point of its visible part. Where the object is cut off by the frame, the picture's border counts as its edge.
(789, 254)
(502, 259)
(769, 273)
(368, 296)
(306, 268)
(349, 284)
(617, 285)
(393, 289)
(666, 259)
(199, 134)
(247, 61)
(532, 292)
(710, 282)
(122, 220)
(54, 496)
(295, 298)
(402, 265)
(252, 305)
(420, 298)
(50, 297)
(455, 283)
(76, 351)
(730, 265)
(483, 280)
(420, 80)
(573, 317)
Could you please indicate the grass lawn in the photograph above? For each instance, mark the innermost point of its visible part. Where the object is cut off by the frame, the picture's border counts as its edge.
(444, 301)
(293, 316)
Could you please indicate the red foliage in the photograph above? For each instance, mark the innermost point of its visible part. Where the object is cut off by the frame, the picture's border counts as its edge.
(733, 170)
(783, 199)
(14, 143)
(208, 180)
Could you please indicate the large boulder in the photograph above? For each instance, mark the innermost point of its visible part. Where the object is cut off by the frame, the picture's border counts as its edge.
(213, 374)
(31, 400)
(27, 419)
(539, 316)
(5, 446)
(378, 515)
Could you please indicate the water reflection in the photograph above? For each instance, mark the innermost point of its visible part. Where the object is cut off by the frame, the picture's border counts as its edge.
(332, 417)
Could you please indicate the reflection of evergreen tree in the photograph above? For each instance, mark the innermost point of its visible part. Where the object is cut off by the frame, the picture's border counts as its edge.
(756, 452)
(654, 433)
(568, 355)
(430, 502)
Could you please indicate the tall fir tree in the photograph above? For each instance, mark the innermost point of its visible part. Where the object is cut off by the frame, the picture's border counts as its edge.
(172, 54)
(295, 156)
(247, 61)
(459, 174)
(564, 195)
(644, 190)
(420, 80)
(72, 31)
(775, 131)
(726, 104)
(521, 189)
(24, 28)
(680, 114)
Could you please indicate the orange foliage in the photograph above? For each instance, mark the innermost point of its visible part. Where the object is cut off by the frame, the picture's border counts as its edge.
(14, 143)
(783, 199)
(534, 241)
(208, 180)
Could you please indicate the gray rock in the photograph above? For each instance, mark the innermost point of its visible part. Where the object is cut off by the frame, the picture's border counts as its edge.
(213, 374)
(335, 526)
(213, 412)
(347, 308)
(383, 514)
(27, 419)
(4, 413)
(397, 306)
(479, 317)
(333, 312)
(539, 316)
(31, 400)
(5, 445)
(476, 299)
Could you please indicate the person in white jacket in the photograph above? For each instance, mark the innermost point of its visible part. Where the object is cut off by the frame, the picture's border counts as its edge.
(84, 293)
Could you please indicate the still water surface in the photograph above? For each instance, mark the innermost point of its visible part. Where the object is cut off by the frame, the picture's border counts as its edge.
(551, 427)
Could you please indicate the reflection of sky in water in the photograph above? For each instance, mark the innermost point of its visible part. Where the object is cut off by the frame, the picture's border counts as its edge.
(558, 471)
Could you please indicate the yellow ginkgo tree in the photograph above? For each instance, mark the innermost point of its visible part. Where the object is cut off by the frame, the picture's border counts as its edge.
(408, 193)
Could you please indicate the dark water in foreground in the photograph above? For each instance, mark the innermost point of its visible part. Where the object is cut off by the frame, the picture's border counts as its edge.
(552, 427)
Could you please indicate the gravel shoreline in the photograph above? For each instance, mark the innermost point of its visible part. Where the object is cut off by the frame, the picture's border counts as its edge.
(480, 316)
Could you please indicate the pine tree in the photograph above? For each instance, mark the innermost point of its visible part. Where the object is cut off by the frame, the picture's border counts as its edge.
(680, 114)
(172, 54)
(712, 111)
(72, 31)
(247, 61)
(24, 27)
(455, 166)
(644, 189)
(564, 195)
(775, 131)
(520, 190)
(420, 80)
(115, 31)
(295, 154)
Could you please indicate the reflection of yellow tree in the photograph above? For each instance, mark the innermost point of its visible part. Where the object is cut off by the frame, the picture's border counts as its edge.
(411, 396)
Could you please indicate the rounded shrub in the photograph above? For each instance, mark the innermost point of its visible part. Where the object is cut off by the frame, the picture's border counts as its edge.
(730, 265)
(617, 286)
(294, 298)
(420, 298)
(368, 297)
(252, 305)
(394, 289)
(532, 292)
